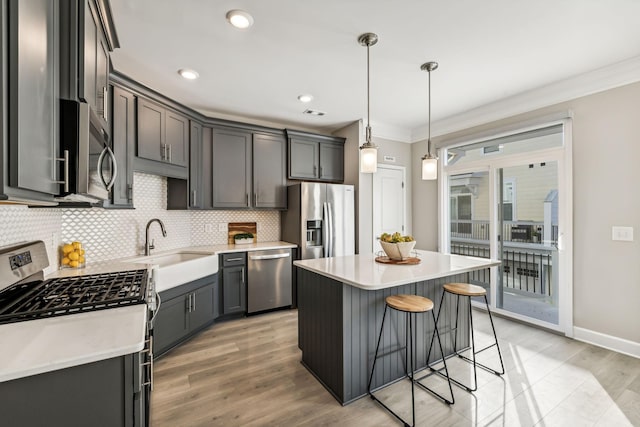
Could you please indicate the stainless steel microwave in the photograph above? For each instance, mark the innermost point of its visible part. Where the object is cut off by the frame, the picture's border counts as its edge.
(90, 167)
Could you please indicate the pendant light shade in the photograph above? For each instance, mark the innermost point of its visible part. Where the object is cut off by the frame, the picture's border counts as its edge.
(368, 150)
(429, 161)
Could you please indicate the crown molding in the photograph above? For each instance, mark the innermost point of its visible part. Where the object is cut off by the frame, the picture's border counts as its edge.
(602, 79)
(391, 132)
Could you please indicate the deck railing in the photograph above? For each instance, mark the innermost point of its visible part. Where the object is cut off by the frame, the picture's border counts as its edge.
(512, 231)
(524, 270)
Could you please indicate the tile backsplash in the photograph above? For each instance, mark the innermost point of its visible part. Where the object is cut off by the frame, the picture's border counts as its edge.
(117, 233)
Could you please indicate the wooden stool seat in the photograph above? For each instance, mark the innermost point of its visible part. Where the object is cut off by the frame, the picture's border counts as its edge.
(409, 303)
(465, 289)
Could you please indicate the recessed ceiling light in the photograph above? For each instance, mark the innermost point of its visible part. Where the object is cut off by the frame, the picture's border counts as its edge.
(314, 112)
(305, 98)
(239, 19)
(188, 73)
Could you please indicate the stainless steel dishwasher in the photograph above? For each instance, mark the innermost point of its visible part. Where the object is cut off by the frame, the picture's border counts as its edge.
(269, 279)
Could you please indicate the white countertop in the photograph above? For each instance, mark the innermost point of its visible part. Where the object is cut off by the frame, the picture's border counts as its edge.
(364, 272)
(38, 346)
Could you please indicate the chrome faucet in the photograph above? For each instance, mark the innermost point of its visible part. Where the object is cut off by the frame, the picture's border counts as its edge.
(149, 245)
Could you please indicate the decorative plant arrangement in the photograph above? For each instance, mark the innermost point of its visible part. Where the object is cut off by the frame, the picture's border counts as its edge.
(243, 238)
(397, 246)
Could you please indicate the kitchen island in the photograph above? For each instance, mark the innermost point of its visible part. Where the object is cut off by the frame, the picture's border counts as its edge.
(340, 305)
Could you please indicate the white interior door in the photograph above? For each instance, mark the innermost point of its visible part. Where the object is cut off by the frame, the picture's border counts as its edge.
(389, 202)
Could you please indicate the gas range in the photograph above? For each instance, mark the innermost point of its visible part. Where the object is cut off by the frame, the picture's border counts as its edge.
(25, 295)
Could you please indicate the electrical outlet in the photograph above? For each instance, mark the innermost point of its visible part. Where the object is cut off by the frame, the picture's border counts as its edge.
(208, 228)
(222, 227)
(622, 233)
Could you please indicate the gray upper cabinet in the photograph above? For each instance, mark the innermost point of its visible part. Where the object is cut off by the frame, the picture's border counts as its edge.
(315, 157)
(177, 134)
(331, 161)
(195, 166)
(304, 158)
(249, 169)
(163, 134)
(269, 171)
(87, 37)
(30, 137)
(151, 128)
(231, 167)
(123, 134)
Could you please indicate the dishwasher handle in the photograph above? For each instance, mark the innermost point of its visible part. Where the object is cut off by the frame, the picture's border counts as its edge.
(274, 256)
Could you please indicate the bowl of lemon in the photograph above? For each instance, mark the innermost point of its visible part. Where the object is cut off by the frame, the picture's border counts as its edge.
(396, 246)
(72, 255)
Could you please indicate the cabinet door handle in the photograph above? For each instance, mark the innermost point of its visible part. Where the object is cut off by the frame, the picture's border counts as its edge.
(105, 102)
(193, 198)
(163, 152)
(130, 193)
(315, 168)
(242, 275)
(169, 153)
(255, 198)
(247, 197)
(233, 259)
(193, 305)
(189, 303)
(320, 174)
(65, 179)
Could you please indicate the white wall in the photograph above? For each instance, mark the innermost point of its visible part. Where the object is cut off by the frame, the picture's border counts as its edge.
(364, 181)
(606, 151)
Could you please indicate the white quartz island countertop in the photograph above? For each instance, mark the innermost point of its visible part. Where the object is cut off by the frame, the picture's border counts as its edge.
(362, 271)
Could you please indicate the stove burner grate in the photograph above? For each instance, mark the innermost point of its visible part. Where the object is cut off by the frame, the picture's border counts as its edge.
(70, 295)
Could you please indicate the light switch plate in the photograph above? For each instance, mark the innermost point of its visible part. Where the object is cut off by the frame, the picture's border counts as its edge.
(222, 227)
(624, 234)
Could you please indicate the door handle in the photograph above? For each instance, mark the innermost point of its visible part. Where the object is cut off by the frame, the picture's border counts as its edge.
(105, 102)
(65, 179)
(274, 256)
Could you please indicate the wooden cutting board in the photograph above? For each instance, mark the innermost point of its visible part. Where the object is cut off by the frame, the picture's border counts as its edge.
(242, 227)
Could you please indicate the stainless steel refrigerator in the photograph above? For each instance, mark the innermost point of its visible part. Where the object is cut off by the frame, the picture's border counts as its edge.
(320, 219)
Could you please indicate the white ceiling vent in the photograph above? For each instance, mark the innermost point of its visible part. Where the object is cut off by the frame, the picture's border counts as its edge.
(314, 112)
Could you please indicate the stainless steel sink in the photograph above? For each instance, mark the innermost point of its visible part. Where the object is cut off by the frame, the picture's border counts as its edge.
(175, 268)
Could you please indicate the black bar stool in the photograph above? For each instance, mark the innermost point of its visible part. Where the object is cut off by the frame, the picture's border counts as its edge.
(409, 304)
(468, 290)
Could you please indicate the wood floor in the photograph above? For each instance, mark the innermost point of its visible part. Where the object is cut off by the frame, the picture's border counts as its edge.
(247, 373)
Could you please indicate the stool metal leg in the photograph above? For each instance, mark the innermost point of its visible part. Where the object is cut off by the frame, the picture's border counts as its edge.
(473, 347)
(435, 335)
(375, 357)
(408, 339)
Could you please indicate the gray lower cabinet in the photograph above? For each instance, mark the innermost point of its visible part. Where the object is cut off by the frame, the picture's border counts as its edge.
(109, 392)
(123, 134)
(30, 101)
(315, 157)
(234, 283)
(184, 310)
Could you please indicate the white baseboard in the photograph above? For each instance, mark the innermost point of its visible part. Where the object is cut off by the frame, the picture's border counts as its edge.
(609, 342)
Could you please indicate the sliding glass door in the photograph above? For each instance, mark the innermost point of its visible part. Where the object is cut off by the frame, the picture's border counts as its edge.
(509, 199)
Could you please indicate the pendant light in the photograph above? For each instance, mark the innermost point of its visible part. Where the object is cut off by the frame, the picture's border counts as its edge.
(368, 150)
(429, 161)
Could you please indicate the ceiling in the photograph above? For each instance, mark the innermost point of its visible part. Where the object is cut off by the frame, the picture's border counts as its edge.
(487, 51)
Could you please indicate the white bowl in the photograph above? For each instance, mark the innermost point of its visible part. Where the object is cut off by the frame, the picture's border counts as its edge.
(398, 251)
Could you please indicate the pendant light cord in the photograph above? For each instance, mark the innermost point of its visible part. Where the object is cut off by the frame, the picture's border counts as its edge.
(368, 137)
(429, 126)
